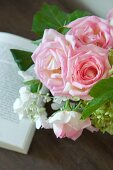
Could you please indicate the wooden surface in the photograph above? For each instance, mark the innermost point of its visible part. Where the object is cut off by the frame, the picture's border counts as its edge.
(89, 152)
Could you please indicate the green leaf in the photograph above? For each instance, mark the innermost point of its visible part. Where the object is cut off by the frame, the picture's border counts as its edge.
(22, 58)
(49, 16)
(95, 103)
(103, 86)
(63, 30)
(102, 92)
(35, 85)
(76, 14)
(71, 17)
(110, 56)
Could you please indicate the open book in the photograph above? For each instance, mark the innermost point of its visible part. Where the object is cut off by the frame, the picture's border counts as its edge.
(14, 134)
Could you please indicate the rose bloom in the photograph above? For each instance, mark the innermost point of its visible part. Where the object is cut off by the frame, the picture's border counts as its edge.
(110, 17)
(68, 124)
(89, 65)
(91, 30)
(50, 60)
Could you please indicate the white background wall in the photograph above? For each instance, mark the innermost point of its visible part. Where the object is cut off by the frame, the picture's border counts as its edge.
(98, 7)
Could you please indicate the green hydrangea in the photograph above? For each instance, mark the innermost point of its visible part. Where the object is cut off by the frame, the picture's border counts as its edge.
(102, 118)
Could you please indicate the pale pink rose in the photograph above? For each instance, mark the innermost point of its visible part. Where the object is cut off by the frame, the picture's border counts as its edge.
(50, 60)
(68, 124)
(91, 30)
(110, 17)
(89, 65)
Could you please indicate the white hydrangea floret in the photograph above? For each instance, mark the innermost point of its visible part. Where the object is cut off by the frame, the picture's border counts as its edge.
(31, 104)
(46, 98)
(58, 102)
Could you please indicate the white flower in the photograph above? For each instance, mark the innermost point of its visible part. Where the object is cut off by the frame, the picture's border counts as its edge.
(68, 124)
(47, 98)
(31, 104)
(56, 106)
(21, 102)
(27, 103)
(59, 99)
(42, 121)
(58, 102)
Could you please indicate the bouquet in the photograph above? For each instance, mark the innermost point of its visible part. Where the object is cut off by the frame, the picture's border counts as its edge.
(71, 70)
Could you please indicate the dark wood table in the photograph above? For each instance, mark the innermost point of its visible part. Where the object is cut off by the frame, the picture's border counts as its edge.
(89, 152)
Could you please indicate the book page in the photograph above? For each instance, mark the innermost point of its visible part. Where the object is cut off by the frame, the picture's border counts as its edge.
(9, 84)
(12, 131)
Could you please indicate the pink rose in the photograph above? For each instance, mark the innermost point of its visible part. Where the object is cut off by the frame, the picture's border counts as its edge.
(89, 65)
(50, 60)
(110, 17)
(91, 30)
(68, 124)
